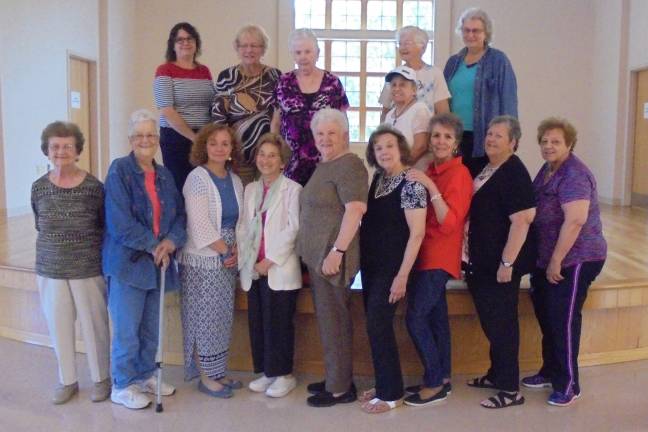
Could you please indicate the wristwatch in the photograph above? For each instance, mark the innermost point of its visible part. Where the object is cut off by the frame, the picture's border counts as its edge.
(340, 251)
(506, 264)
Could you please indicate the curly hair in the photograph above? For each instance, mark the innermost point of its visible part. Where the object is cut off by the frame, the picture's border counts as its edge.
(569, 131)
(62, 129)
(199, 155)
(403, 147)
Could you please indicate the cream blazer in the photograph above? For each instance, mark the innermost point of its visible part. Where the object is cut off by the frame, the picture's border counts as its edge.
(280, 232)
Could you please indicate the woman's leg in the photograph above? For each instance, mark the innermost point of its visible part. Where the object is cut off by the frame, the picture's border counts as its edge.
(255, 326)
(278, 329)
(175, 155)
(540, 288)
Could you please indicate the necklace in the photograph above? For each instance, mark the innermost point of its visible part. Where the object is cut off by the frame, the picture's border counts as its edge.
(398, 115)
(486, 173)
(249, 101)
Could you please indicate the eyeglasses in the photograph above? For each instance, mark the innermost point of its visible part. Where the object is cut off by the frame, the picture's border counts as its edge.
(148, 137)
(250, 46)
(188, 39)
(406, 44)
(475, 31)
(63, 147)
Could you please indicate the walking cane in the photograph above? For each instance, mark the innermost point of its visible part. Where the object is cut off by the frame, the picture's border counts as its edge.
(158, 354)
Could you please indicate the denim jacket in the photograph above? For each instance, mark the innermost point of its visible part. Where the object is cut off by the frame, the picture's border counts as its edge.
(495, 91)
(129, 222)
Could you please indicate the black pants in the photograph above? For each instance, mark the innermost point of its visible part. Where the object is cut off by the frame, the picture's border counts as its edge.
(272, 331)
(466, 151)
(175, 155)
(497, 308)
(382, 339)
(558, 309)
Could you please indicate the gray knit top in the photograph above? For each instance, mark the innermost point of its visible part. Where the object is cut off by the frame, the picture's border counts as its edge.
(70, 225)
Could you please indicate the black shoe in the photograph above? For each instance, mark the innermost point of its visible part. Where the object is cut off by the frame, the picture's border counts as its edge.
(319, 387)
(417, 388)
(326, 399)
(415, 399)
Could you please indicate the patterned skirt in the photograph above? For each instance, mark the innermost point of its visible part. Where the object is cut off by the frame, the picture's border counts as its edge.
(207, 302)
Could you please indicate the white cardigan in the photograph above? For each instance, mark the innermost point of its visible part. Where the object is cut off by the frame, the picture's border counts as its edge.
(279, 233)
(204, 213)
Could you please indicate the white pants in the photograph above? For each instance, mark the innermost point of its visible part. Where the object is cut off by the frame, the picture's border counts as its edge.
(62, 300)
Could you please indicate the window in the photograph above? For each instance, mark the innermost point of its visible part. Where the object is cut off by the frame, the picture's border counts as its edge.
(357, 44)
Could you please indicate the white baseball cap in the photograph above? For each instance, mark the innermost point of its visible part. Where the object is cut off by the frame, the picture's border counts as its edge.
(405, 71)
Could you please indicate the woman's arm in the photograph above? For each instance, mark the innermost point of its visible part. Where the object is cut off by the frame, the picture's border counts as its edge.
(420, 145)
(438, 203)
(575, 217)
(275, 123)
(416, 223)
(354, 210)
(177, 122)
(442, 106)
(518, 231)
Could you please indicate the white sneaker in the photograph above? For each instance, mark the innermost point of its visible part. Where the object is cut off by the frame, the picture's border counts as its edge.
(150, 386)
(130, 397)
(261, 384)
(282, 386)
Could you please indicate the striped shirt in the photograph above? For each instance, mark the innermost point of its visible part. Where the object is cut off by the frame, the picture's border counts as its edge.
(70, 225)
(189, 91)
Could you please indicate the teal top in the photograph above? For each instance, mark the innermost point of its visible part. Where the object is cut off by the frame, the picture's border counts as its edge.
(462, 89)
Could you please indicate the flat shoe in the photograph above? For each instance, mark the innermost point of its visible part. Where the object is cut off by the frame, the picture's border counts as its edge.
(368, 395)
(416, 400)
(503, 399)
(100, 391)
(320, 386)
(225, 393)
(417, 388)
(326, 399)
(379, 406)
(481, 382)
(63, 393)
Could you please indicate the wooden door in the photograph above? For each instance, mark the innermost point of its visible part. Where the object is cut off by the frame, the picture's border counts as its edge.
(79, 109)
(640, 160)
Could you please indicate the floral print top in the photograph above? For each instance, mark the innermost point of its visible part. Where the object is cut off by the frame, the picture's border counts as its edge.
(297, 110)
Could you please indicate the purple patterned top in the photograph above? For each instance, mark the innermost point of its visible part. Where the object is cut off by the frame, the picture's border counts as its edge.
(297, 110)
(572, 181)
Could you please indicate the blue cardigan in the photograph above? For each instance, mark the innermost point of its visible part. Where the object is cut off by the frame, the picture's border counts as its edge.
(495, 90)
(129, 222)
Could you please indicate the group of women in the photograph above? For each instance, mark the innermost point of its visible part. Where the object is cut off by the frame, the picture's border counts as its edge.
(447, 188)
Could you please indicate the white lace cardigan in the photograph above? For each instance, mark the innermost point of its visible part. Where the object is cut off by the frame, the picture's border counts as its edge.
(204, 214)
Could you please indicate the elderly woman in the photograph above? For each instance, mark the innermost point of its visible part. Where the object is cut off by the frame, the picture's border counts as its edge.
(300, 94)
(571, 253)
(482, 83)
(332, 205)
(270, 270)
(449, 186)
(409, 116)
(245, 95)
(390, 236)
(145, 223)
(431, 87)
(183, 92)
(68, 206)
(500, 252)
(208, 263)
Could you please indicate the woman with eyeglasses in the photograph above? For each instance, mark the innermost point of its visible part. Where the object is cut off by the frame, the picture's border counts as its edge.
(183, 90)
(245, 95)
(482, 83)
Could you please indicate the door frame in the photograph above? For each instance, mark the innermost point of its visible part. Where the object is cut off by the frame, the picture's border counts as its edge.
(632, 115)
(92, 141)
(3, 171)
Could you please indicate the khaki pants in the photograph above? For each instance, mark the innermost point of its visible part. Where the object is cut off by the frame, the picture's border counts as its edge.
(62, 300)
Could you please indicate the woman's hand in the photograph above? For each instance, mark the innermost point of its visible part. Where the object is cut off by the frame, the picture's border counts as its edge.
(162, 252)
(232, 259)
(263, 266)
(331, 264)
(553, 272)
(504, 274)
(416, 175)
(398, 288)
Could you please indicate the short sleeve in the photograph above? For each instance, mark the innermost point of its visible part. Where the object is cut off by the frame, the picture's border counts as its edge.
(163, 89)
(340, 100)
(441, 90)
(352, 181)
(421, 119)
(413, 196)
(516, 188)
(576, 185)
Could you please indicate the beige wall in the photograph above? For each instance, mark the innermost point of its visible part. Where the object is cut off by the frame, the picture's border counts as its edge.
(638, 40)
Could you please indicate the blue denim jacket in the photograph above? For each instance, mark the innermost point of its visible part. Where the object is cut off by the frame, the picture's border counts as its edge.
(495, 91)
(129, 222)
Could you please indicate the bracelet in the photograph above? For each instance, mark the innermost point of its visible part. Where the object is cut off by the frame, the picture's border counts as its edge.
(436, 197)
(340, 251)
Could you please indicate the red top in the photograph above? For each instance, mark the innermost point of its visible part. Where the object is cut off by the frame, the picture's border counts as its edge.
(149, 184)
(441, 247)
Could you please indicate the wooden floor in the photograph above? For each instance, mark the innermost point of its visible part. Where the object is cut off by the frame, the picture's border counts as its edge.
(625, 228)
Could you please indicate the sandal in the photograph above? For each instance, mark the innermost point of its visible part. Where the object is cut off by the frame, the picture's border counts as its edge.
(379, 406)
(367, 395)
(503, 399)
(481, 382)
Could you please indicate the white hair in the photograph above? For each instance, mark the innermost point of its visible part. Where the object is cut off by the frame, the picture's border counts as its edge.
(255, 31)
(330, 115)
(478, 14)
(300, 34)
(420, 36)
(140, 116)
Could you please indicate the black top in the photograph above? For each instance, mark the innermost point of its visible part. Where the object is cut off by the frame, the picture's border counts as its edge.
(508, 191)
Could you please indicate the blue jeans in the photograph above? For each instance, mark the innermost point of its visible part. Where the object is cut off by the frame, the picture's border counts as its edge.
(134, 313)
(427, 323)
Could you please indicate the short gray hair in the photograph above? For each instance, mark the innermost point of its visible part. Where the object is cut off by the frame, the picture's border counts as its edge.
(302, 33)
(330, 115)
(420, 36)
(140, 116)
(255, 31)
(481, 15)
(513, 125)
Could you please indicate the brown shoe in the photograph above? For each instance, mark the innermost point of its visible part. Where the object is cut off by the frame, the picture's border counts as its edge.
(63, 393)
(100, 391)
